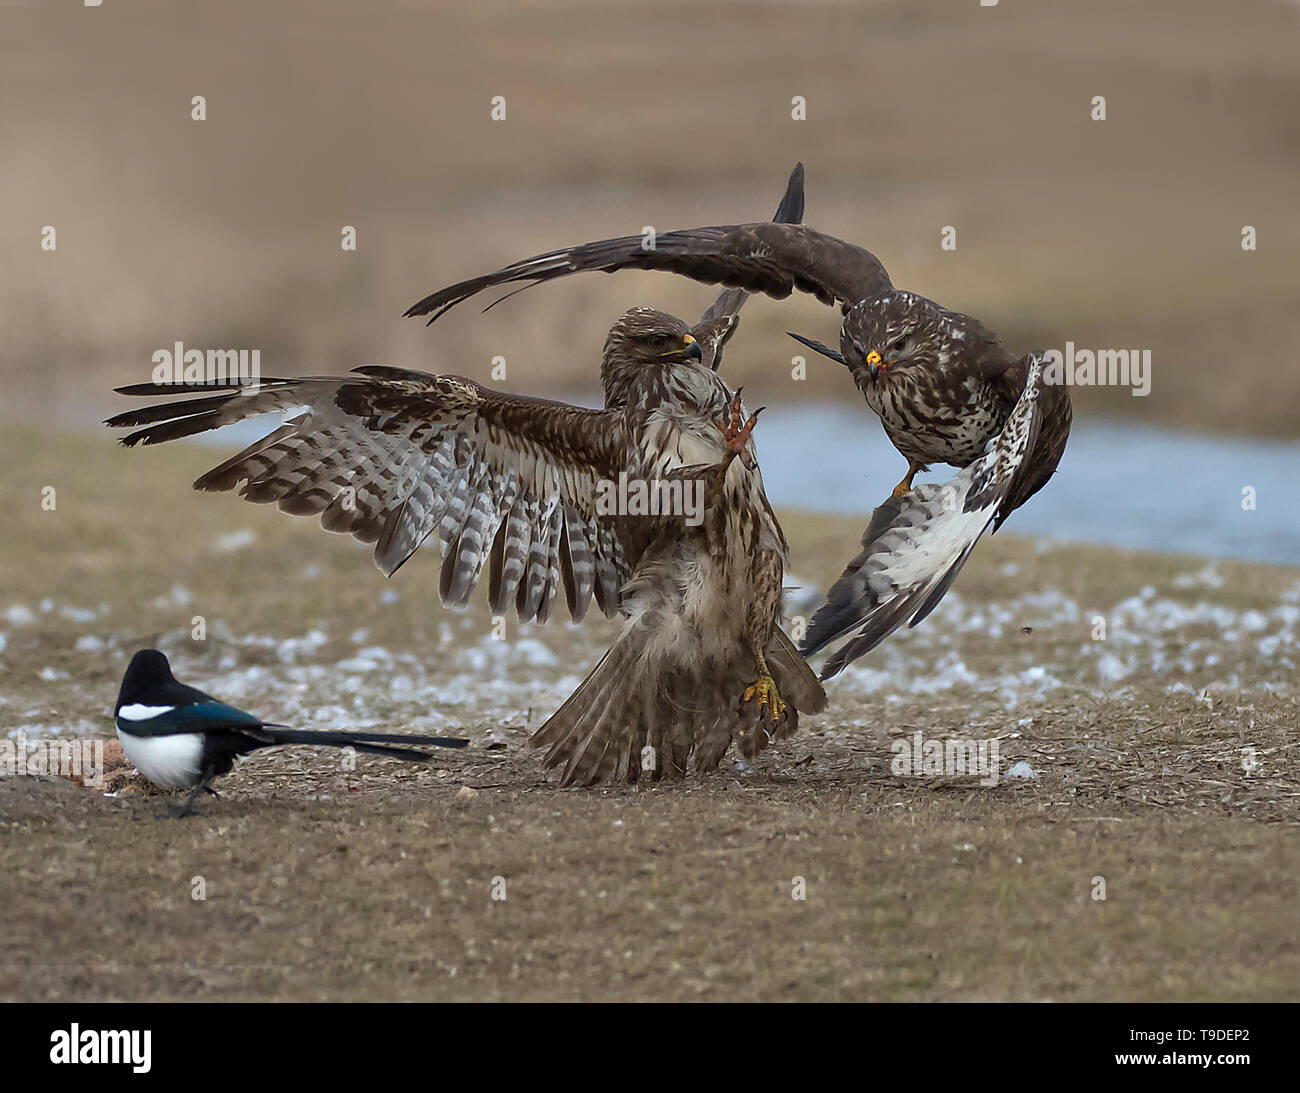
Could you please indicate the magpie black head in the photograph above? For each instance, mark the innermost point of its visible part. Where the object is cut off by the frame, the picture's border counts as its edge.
(148, 671)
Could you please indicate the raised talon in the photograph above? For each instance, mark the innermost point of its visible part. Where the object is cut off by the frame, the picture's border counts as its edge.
(763, 689)
(737, 435)
(730, 425)
(737, 411)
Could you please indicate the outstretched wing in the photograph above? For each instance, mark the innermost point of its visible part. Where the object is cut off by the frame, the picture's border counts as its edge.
(391, 456)
(916, 544)
(774, 259)
(719, 322)
(1055, 415)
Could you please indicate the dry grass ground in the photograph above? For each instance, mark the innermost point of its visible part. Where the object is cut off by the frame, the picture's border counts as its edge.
(327, 884)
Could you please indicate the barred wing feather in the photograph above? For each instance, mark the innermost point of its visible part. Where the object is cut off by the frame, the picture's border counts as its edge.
(392, 456)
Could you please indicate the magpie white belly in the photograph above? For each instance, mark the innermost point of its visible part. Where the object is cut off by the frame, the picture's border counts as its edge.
(169, 762)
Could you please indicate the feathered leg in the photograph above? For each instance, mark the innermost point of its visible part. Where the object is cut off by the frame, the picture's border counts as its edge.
(760, 621)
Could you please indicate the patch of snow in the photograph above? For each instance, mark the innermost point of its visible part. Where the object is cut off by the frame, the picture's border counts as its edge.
(234, 541)
(1208, 577)
(289, 650)
(177, 596)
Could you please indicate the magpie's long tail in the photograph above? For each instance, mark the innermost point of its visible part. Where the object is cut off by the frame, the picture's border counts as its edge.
(369, 743)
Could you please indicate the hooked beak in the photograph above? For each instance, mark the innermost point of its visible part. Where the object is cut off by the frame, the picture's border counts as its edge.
(817, 347)
(693, 351)
(874, 364)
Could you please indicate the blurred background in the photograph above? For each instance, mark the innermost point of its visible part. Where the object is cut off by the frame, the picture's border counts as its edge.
(921, 114)
(626, 113)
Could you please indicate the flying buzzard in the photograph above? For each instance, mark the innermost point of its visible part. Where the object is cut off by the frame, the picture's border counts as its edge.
(515, 485)
(918, 540)
(943, 386)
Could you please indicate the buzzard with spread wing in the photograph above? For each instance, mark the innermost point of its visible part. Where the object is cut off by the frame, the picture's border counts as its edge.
(943, 386)
(918, 540)
(515, 485)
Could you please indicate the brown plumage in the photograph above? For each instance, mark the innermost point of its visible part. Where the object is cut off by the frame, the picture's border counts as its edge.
(701, 661)
(918, 541)
(719, 322)
(943, 385)
(946, 391)
(393, 456)
(518, 486)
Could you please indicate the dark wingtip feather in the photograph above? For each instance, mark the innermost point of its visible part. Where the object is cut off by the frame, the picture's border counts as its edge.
(790, 211)
(184, 387)
(818, 347)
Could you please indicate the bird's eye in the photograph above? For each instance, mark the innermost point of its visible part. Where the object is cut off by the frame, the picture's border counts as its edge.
(898, 343)
(658, 340)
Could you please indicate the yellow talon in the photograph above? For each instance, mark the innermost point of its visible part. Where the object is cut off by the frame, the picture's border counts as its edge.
(763, 689)
(905, 486)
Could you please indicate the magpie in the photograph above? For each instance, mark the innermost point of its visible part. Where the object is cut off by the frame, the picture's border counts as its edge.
(180, 738)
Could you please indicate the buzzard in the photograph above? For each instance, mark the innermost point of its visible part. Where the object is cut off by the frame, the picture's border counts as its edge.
(919, 539)
(943, 385)
(515, 486)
